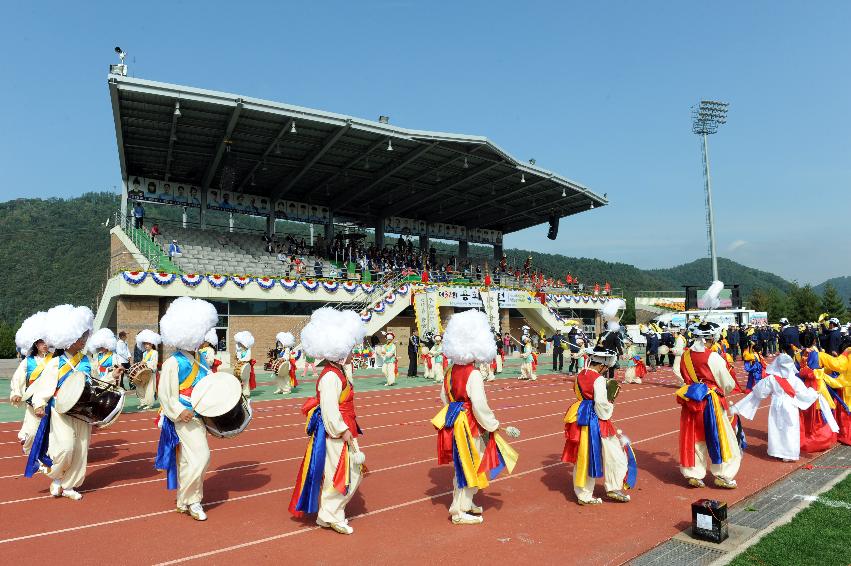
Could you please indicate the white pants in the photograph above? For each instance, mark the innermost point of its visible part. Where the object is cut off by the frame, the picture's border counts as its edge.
(332, 503)
(29, 427)
(69, 449)
(498, 364)
(282, 378)
(526, 371)
(428, 373)
(389, 370)
(147, 394)
(614, 470)
(485, 370)
(725, 470)
(193, 459)
(462, 497)
(437, 371)
(245, 378)
(676, 369)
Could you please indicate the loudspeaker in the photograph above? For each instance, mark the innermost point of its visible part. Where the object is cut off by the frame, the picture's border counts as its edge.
(552, 233)
(691, 297)
(736, 297)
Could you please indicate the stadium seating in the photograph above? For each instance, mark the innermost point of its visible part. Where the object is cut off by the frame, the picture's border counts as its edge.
(214, 251)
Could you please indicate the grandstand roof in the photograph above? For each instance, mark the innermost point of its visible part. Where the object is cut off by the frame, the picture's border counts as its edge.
(333, 159)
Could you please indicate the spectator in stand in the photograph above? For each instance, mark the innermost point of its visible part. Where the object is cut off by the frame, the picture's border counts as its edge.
(174, 250)
(270, 249)
(138, 215)
(317, 268)
(155, 231)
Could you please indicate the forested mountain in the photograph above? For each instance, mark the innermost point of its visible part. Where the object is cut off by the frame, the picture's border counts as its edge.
(57, 250)
(842, 286)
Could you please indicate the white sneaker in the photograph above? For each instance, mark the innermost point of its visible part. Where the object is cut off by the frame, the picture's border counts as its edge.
(277, 392)
(342, 527)
(197, 512)
(467, 519)
(476, 510)
(55, 488)
(72, 494)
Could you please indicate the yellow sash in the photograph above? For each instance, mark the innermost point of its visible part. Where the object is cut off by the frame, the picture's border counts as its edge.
(186, 383)
(70, 364)
(39, 368)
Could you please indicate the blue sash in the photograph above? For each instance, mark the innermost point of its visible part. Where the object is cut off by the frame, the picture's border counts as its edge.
(166, 459)
(586, 416)
(311, 480)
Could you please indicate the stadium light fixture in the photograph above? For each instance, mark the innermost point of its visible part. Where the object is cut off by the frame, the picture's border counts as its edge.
(389, 144)
(177, 113)
(522, 177)
(707, 117)
(563, 192)
(292, 128)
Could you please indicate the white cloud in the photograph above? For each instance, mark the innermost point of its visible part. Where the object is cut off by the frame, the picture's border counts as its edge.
(736, 245)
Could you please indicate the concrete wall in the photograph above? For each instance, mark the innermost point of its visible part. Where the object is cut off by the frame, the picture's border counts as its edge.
(120, 257)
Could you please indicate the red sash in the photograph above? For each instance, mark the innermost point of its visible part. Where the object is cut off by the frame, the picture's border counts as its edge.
(785, 385)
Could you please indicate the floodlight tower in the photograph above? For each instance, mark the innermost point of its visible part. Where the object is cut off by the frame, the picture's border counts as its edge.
(706, 118)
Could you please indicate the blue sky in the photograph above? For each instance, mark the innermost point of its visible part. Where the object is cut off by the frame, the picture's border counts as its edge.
(597, 91)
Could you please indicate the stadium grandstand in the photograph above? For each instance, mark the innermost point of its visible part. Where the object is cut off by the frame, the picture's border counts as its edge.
(270, 210)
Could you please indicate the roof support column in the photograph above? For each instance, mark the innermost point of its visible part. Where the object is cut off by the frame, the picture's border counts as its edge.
(379, 233)
(202, 212)
(329, 228)
(424, 246)
(270, 224)
(123, 200)
(497, 254)
(463, 249)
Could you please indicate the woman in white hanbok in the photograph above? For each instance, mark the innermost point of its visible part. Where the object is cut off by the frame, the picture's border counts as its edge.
(789, 395)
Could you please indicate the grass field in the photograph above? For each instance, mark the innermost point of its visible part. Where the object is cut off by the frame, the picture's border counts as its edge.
(818, 535)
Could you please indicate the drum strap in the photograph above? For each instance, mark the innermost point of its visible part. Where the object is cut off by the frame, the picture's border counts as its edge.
(104, 359)
(189, 373)
(79, 362)
(39, 368)
(148, 355)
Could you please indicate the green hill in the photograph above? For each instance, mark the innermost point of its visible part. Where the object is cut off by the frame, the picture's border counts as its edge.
(56, 251)
(841, 284)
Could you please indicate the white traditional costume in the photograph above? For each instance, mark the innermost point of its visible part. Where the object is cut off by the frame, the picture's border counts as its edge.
(30, 338)
(437, 358)
(208, 349)
(151, 358)
(467, 419)
(244, 341)
(101, 346)
(65, 453)
(330, 472)
(527, 368)
(183, 451)
(389, 354)
(678, 350)
(789, 396)
(285, 379)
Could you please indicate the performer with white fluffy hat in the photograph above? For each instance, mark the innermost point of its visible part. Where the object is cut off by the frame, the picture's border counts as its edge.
(244, 341)
(706, 432)
(332, 466)
(467, 428)
(30, 338)
(389, 354)
(527, 370)
(183, 451)
(148, 340)
(286, 381)
(593, 445)
(437, 358)
(62, 441)
(102, 346)
(208, 350)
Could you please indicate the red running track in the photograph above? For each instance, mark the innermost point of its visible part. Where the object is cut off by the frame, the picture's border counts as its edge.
(400, 512)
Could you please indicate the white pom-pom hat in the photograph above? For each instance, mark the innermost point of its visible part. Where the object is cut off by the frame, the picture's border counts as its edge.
(331, 334)
(186, 323)
(285, 338)
(211, 337)
(468, 338)
(31, 331)
(244, 338)
(103, 338)
(148, 337)
(66, 324)
(610, 309)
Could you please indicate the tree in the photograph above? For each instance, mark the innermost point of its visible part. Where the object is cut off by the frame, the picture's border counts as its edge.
(804, 304)
(7, 341)
(777, 305)
(759, 300)
(831, 302)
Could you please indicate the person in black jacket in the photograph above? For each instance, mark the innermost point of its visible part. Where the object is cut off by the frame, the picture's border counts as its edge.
(834, 338)
(611, 340)
(733, 341)
(413, 354)
(572, 343)
(652, 348)
(667, 339)
(558, 351)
